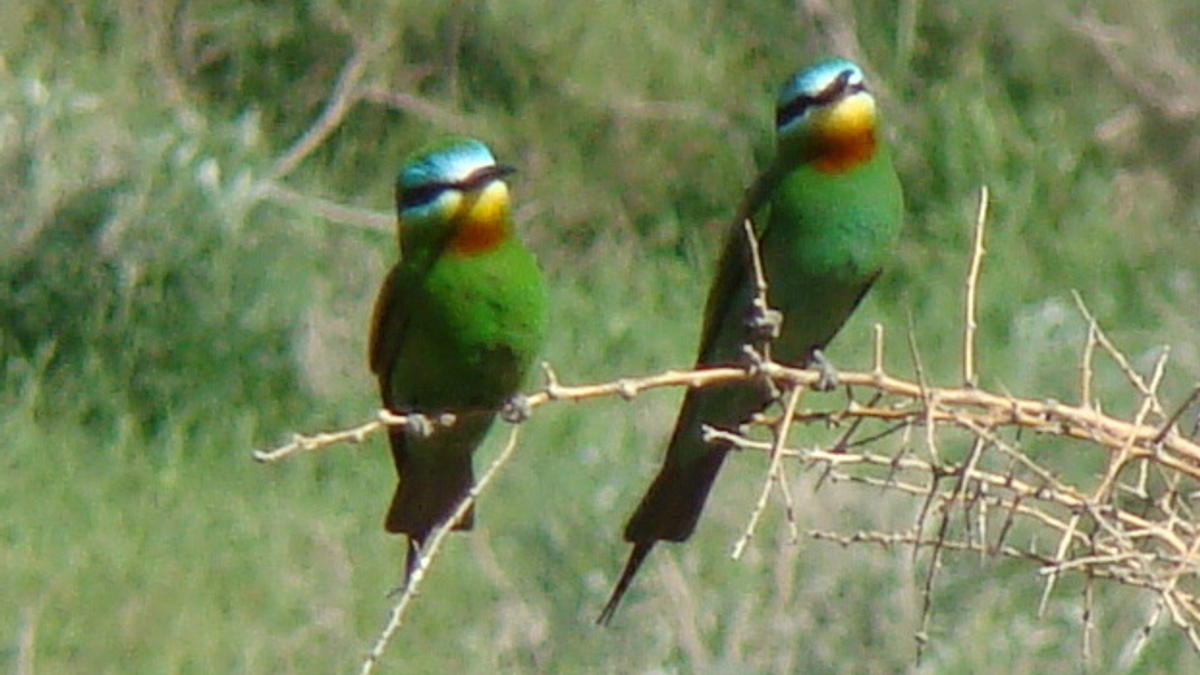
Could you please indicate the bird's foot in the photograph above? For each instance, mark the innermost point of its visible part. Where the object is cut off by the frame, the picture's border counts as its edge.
(764, 323)
(516, 409)
(419, 426)
(752, 359)
(828, 378)
(756, 364)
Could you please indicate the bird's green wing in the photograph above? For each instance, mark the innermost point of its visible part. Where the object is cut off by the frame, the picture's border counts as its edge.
(734, 266)
(388, 323)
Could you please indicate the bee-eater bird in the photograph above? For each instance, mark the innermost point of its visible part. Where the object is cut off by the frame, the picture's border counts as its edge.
(827, 214)
(457, 324)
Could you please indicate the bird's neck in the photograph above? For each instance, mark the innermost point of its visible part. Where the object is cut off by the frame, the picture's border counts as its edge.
(844, 150)
(482, 223)
(839, 138)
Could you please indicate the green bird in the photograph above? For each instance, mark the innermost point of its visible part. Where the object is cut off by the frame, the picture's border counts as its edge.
(827, 212)
(457, 324)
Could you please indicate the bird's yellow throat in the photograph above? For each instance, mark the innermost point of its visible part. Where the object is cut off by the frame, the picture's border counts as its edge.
(483, 221)
(845, 134)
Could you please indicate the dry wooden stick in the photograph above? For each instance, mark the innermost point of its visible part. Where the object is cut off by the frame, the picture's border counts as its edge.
(951, 404)
(430, 551)
(774, 472)
(970, 377)
(341, 99)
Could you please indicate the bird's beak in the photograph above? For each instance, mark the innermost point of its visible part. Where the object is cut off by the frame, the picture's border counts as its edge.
(487, 174)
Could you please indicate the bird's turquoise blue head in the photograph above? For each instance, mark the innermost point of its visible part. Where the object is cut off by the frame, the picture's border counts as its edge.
(435, 175)
(454, 184)
(826, 114)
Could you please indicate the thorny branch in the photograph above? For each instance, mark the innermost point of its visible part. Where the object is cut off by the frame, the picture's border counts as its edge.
(961, 407)
(1149, 543)
(993, 477)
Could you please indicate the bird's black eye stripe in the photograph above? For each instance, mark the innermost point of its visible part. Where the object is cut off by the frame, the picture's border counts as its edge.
(799, 105)
(794, 108)
(419, 195)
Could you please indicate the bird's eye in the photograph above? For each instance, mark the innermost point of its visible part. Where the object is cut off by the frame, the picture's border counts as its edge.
(795, 108)
(838, 88)
(419, 195)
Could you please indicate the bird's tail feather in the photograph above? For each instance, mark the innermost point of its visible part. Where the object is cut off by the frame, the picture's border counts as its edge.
(639, 553)
(672, 505)
(428, 492)
(417, 510)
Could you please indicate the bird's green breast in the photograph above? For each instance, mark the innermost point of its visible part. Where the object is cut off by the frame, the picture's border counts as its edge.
(828, 237)
(477, 323)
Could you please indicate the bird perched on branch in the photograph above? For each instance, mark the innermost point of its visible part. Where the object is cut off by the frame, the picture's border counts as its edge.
(827, 214)
(457, 324)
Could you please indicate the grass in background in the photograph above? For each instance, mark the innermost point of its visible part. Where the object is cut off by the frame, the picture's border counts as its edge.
(159, 321)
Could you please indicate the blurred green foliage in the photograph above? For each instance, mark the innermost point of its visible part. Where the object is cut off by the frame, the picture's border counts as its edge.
(160, 314)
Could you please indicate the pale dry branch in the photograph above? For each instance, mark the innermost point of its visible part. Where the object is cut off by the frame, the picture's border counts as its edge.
(430, 551)
(1086, 376)
(995, 481)
(1102, 339)
(998, 482)
(986, 409)
(319, 441)
(430, 110)
(1179, 411)
(765, 323)
(897, 539)
(970, 324)
(647, 110)
(363, 219)
(1160, 79)
(774, 474)
(342, 98)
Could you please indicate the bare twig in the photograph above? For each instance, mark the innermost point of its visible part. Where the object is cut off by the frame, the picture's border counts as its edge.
(319, 441)
(969, 319)
(430, 551)
(985, 408)
(774, 472)
(374, 221)
(342, 98)
(1085, 367)
(765, 322)
(420, 106)
(1174, 419)
(1143, 551)
(1102, 339)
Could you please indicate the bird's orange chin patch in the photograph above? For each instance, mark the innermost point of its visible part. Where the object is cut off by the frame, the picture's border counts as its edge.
(846, 135)
(844, 152)
(477, 236)
(483, 223)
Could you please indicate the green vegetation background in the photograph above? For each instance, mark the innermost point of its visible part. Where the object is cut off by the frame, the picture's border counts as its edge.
(160, 316)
